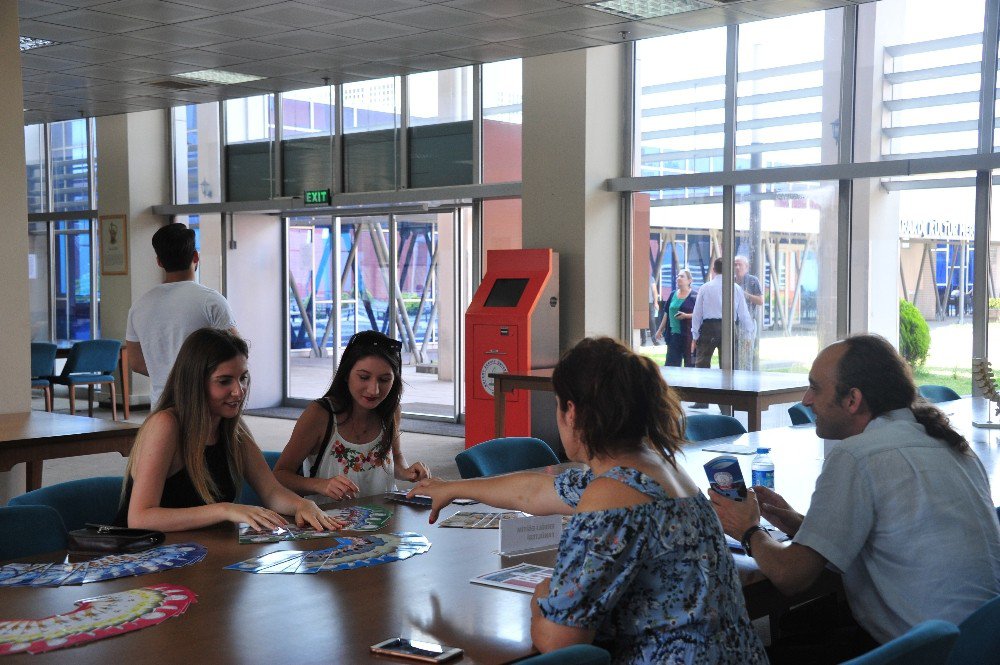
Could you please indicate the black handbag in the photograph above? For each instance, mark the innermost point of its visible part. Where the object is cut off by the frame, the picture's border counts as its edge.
(104, 539)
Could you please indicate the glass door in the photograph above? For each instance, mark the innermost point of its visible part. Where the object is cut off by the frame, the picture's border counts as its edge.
(400, 274)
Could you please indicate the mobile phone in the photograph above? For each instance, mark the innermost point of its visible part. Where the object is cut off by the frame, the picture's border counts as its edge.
(726, 478)
(426, 652)
(418, 500)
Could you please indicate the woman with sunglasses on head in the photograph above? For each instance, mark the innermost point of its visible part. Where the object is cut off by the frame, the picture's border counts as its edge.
(347, 442)
(643, 568)
(194, 451)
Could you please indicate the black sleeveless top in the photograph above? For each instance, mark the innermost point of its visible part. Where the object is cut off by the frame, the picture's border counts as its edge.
(179, 491)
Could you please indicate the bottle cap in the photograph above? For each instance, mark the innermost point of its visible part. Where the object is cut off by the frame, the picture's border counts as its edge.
(762, 451)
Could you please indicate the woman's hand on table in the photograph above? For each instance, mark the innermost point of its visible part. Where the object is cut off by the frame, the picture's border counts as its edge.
(440, 492)
(339, 488)
(415, 472)
(307, 512)
(258, 517)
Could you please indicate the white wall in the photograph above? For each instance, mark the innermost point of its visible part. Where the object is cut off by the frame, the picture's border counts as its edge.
(255, 290)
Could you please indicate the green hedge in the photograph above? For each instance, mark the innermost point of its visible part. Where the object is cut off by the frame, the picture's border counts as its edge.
(914, 334)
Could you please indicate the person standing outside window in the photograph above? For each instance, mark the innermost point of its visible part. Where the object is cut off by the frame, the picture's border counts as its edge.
(746, 345)
(706, 320)
(160, 321)
(676, 322)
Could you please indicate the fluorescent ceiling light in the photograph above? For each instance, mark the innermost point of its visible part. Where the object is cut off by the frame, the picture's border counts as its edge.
(218, 76)
(28, 43)
(639, 9)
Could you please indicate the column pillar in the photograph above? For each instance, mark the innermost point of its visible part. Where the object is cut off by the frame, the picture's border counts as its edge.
(573, 123)
(134, 175)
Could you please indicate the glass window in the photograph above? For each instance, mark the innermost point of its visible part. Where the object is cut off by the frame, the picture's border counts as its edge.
(932, 218)
(249, 148)
(35, 163)
(371, 122)
(440, 128)
(681, 94)
(685, 232)
(69, 152)
(307, 118)
(38, 280)
(786, 262)
(502, 97)
(72, 280)
(930, 77)
(787, 91)
(197, 170)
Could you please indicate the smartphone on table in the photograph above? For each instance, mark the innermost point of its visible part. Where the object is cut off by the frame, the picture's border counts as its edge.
(425, 652)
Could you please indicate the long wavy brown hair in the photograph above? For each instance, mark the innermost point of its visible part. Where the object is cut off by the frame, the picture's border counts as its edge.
(185, 396)
(622, 401)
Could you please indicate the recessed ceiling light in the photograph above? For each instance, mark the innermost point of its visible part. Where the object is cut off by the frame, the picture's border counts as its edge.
(218, 76)
(28, 43)
(639, 9)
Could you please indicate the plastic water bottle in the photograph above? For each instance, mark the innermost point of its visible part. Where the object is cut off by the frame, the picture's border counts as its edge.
(762, 469)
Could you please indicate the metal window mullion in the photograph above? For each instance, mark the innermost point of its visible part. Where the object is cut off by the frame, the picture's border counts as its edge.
(277, 182)
(404, 140)
(729, 196)
(983, 210)
(393, 285)
(338, 146)
(845, 155)
(223, 160)
(477, 124)
(50, 228)
(627, 168)
(458, 295)
(92, 201)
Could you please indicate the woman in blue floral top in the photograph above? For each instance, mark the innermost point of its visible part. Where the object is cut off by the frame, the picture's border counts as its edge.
(643, 568)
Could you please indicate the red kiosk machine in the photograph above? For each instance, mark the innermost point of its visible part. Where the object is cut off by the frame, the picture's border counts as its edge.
(511, 326)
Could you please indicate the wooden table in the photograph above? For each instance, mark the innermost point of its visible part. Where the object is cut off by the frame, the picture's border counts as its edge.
(36, 436)
(753, 392)
(62, 351)
(332, 617)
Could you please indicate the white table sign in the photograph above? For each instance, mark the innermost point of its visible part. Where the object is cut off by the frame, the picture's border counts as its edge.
(530, 534)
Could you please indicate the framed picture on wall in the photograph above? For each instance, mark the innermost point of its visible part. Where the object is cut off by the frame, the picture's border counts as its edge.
(114, 244)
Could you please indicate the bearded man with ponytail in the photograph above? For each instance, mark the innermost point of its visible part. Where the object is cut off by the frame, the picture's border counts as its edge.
(902, 508)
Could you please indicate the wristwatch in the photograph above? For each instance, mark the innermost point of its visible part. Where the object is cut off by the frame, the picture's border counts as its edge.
(747, 535)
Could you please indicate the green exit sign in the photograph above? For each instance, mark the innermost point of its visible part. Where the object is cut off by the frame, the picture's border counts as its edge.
(318, 197)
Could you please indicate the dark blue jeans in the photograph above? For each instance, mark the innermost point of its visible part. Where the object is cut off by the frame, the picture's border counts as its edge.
(679, 350)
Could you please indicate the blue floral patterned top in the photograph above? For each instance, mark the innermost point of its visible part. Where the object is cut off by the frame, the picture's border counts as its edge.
(655, 580)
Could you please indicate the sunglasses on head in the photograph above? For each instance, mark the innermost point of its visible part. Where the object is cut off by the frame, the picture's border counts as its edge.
(376, 340)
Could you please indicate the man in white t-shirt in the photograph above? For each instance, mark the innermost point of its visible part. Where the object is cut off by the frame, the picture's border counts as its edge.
(160, 321)
(901, 509)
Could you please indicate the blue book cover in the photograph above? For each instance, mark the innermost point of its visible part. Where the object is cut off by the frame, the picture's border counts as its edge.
(725, 477)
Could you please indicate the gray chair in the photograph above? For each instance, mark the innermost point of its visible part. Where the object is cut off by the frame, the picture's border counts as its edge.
(801, 414)
(248, 495)
(504, 455)
(705, 426)
(43, 364)
(90, 363)
(928, 643)
(30, 530)
(78, 502)
(978, 640)
(935, 393)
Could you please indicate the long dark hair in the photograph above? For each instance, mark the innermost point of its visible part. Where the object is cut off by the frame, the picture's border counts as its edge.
(362, 345)
(184, 394)
(621, 399)
(873, 366)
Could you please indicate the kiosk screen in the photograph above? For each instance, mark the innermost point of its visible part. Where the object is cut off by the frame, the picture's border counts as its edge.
(506, 292)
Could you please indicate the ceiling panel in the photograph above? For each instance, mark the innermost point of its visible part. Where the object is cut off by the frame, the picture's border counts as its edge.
(110, 52)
